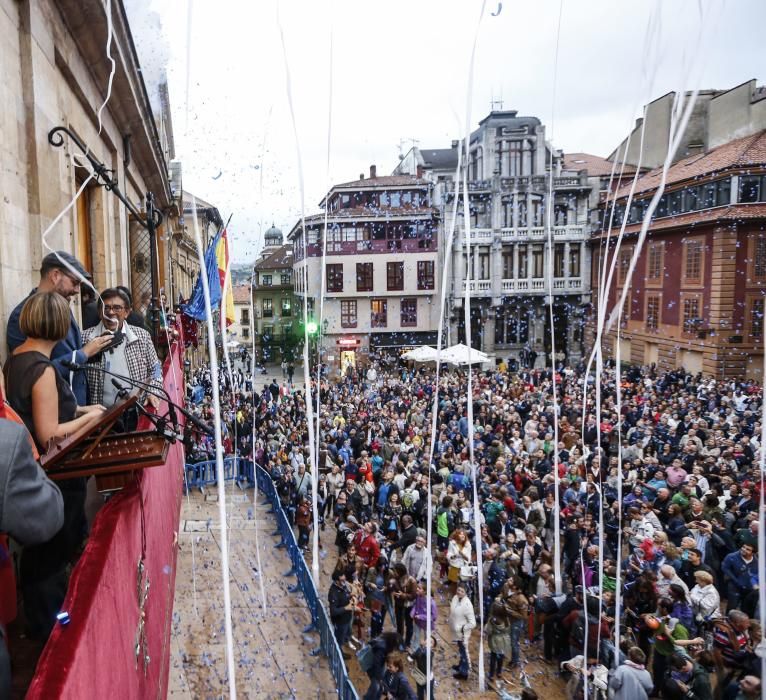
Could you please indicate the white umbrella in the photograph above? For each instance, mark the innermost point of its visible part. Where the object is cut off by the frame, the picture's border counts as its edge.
(461, 354)
(423, 353)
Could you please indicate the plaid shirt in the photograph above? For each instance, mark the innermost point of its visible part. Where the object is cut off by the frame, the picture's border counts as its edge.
(143, 363)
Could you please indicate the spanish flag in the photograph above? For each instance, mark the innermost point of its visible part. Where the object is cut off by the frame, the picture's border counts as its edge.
(227, 297)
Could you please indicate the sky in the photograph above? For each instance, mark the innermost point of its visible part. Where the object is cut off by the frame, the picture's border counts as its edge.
(399, 72)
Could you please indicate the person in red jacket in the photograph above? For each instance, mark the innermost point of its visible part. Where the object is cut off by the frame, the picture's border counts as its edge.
(367, 546)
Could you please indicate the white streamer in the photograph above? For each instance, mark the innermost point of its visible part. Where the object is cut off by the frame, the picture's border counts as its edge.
(548, 213)
(220, 477)
(467, 323)
(306, 370)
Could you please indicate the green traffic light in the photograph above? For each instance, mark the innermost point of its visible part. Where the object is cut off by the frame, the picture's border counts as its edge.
(312, 327)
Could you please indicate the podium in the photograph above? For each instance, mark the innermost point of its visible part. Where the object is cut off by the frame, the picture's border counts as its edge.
(110, 457)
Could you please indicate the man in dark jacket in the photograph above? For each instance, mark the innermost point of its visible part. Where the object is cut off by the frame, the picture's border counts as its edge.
(61, 272)
(31, 508)
(341, 610)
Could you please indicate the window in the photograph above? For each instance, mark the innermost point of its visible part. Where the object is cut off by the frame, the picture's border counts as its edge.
(395, 276)
(756, 317)
(625, 256)
(364, 277)
(507, 265)
(268, 309)
(483, 266)
(287, 307)
(346, 201)
(477, 164)
(537, 212)
(396, 199)
(266, 280)
(751, 189)
(508, 213)
(348, 313)
(335, 277)
(409, 316)
(246, 332)
(574, 261)
(759, 257)
(538, 255)
(560, 215)
(652, 313)
(244, 319)
(691, 309)
(693, 260)
(284, 278)
(378, 313)
(558, 260)
(523, 262)
(654, 262)
(425, 274)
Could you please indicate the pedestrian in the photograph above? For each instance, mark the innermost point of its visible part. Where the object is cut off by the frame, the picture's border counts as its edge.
(395, 683)
(462, 622)
(631, 680)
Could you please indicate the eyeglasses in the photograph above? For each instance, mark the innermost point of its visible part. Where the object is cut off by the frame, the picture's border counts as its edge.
(115, 307)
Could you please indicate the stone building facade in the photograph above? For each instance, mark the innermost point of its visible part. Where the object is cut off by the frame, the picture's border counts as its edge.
(55, 73)
(509, 172)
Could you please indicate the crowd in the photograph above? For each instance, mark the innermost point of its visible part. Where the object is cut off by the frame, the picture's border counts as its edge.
(684, 535)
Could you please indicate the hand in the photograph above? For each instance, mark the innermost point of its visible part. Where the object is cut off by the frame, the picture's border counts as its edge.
(682, 687)
(95, 346)
(92, 408)
(154, 401)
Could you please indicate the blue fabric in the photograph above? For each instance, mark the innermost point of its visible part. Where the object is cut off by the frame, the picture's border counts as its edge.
(196, 308)
(67, 350)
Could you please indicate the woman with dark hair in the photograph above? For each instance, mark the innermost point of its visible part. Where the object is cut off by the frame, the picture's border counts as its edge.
(46, 404)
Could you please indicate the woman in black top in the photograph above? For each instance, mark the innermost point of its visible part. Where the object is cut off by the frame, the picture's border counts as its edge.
(48, 408)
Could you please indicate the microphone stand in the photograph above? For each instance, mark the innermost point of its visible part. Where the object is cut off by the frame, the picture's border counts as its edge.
(159, 422)
(152, 390)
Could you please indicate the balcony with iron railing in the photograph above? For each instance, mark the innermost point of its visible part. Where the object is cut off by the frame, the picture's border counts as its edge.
(517, 183)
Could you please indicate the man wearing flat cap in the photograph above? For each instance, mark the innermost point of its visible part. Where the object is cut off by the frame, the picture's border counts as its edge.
(61, 272)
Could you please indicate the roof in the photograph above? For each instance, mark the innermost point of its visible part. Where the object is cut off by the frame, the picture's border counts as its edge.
(241, 294)
(737, 212)
(595, 165)
(741, 153)
(384, 181)
(279, 258)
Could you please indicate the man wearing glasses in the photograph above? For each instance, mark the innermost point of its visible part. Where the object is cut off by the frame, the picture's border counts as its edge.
(61, 272)
(130, 354)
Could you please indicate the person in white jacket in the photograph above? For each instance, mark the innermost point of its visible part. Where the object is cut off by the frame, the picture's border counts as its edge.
(706, 601)
(462, 622)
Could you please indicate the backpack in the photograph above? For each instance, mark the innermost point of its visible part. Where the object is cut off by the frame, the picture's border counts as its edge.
(408, 500)
(366, 658)
(577, 633)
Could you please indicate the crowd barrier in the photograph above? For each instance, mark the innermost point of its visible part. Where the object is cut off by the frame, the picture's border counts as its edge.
(245, 473)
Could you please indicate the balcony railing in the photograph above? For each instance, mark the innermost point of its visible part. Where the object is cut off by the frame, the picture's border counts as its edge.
(481, 288)
(484, 236)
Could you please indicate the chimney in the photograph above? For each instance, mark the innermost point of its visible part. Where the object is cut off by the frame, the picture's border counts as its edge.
(361, 176)
(419, 172)
(373, 172)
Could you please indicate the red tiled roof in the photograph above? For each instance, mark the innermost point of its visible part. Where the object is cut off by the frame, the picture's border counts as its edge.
(280, 258)
(241, 294)
(736, 212)
(384, 181)
(595, 165)
(744, 152)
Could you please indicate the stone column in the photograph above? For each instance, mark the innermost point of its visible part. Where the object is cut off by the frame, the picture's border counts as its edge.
(515, 213)
(567, 271)
(515, 269)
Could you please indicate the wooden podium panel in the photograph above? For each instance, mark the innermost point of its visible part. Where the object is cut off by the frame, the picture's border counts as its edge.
(111, 457)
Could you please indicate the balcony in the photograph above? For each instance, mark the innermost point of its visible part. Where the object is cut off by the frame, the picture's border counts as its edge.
(484, 236)
(561, 285)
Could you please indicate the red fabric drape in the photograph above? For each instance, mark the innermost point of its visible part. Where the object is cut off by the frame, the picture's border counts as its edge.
(94, 655)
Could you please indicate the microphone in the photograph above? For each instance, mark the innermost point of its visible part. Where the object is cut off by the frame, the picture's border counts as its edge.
(122, 391)
(149, 389)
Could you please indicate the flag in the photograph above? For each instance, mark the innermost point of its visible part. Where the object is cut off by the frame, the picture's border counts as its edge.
(196, 306)
(227, 300)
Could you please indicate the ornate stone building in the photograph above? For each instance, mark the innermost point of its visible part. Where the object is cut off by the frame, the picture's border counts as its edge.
(55, 73)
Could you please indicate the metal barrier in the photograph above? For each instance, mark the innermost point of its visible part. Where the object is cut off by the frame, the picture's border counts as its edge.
(245, 473)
